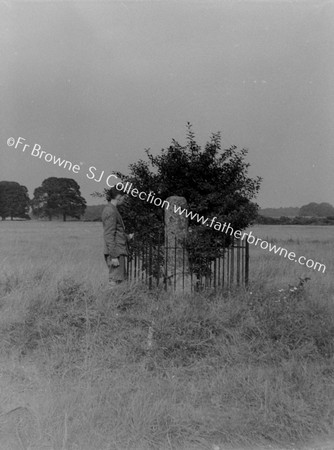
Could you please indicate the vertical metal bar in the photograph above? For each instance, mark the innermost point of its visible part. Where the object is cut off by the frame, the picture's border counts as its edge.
(174, 263)
(166, 262)
(138, 263)
(130, 266)
(183, 256)
(238, 264)
(191, 281)
(247, 264)
(242, 261)
(143, 263)
(224, 257)
(199, 273)
(158, 260)
(232, 262)
(208, 274)
(214, 273)
(141, 259)
(203, 274)
(155, 263)
(150, 266)
(228, 267)
(147, 264)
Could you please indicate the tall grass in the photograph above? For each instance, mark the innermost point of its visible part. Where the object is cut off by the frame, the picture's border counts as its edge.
(139, 369)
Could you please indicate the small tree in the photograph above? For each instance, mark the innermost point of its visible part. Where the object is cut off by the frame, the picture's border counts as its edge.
(58, 196)
(215, 182)
(14, 200)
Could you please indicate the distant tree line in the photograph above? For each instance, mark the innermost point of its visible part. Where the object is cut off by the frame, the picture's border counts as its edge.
(283, 220)
(310, 214)
(55, 197)
(317, 210)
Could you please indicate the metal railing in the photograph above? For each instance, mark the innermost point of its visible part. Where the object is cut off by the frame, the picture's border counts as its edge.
(169, 264)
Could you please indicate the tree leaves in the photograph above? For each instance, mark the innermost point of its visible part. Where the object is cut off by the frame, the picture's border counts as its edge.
(214, 182)
(58, 196)
(14, 200)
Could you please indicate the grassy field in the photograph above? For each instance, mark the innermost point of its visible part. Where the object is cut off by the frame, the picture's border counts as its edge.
(80, 368)
(313, 242)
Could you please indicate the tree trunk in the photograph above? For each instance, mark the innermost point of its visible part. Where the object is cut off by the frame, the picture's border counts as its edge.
(50, 217)
(64, 217)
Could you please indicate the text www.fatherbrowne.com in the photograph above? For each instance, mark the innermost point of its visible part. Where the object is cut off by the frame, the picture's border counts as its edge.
(251, 239)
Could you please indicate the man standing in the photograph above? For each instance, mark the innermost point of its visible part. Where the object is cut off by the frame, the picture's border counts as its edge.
(115, 239)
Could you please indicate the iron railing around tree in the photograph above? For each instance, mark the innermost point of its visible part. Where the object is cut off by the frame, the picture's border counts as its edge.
(168, 264)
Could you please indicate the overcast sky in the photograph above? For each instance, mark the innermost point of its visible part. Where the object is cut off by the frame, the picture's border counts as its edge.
(98, 82)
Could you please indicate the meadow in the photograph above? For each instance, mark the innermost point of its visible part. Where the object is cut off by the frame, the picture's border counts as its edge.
(85, 368)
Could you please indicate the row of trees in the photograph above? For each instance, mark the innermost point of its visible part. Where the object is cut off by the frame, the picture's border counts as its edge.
(55, 197)
(297, 220)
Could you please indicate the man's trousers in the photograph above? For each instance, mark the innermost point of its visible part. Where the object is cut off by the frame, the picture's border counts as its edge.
(117, 274)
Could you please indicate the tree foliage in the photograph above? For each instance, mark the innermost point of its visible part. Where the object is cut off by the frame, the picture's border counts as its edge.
(317, 210)
(14, 200)
(215, 182)
(58, 196)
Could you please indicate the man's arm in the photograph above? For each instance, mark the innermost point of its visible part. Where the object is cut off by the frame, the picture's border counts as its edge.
(110, 234)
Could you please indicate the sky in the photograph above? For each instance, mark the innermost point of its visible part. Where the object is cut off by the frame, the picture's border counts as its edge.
(97, 83)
